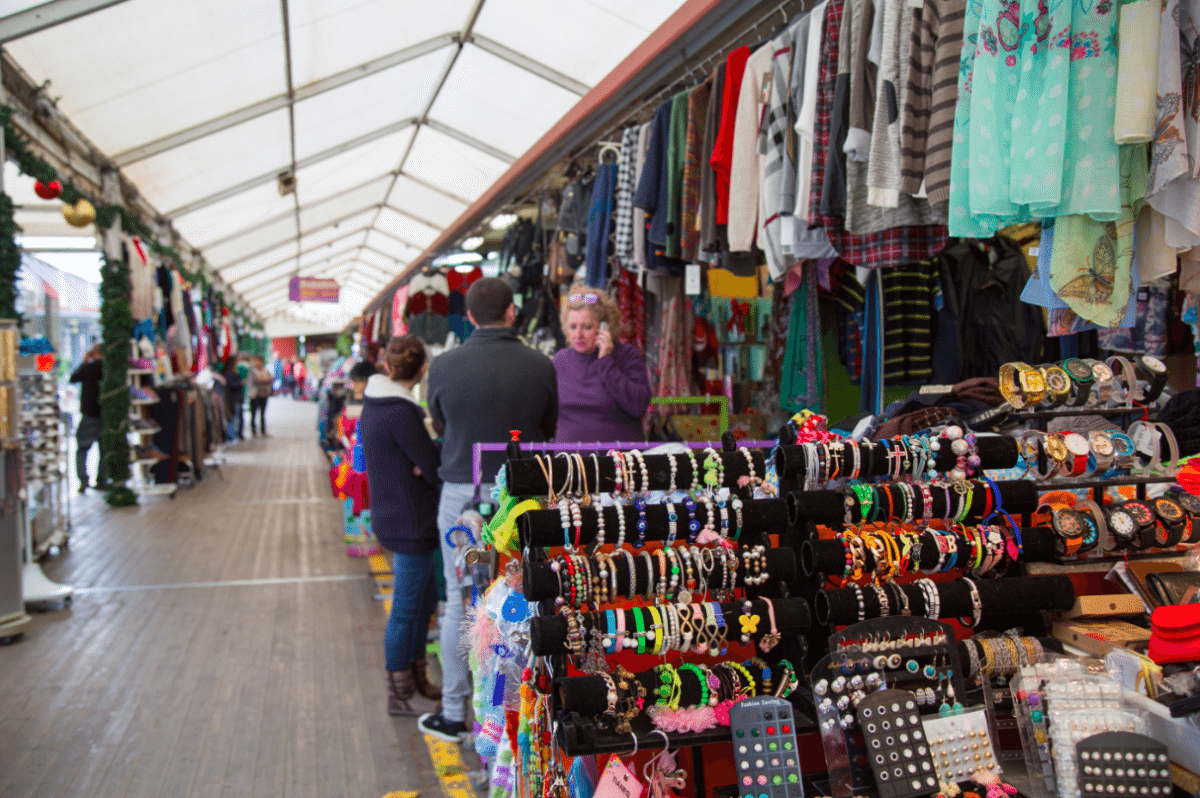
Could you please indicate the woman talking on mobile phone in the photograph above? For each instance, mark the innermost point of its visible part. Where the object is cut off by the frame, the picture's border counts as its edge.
(603, 387)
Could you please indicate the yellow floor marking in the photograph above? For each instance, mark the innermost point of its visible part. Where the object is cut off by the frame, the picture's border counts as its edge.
(447, 761)
(451, 770)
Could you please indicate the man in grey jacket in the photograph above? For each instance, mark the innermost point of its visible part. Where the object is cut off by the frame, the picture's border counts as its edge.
(479, 392)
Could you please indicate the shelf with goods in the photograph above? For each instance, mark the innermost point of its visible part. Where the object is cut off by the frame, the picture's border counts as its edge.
(142, 382)
(13, 618)
(45, 512)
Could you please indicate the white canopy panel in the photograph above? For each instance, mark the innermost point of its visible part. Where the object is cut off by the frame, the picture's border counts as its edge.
(393, 115)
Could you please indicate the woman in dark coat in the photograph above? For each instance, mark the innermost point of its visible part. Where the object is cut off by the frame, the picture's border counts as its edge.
(402, 463)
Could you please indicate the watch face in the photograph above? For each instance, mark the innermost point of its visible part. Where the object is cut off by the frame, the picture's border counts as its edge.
(1189, 502)
(1168, 511)
(1121, 523)
(1068, 523)
(1077, 444)
(1153, 364)
(1057, 380)
(1032, 381)
(1102, 444)
(1055, 448)
(1078, 369)
(1140, 512)
(1122, 444)
(1102, 372)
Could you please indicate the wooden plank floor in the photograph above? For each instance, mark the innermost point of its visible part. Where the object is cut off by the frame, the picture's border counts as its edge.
(219, 644)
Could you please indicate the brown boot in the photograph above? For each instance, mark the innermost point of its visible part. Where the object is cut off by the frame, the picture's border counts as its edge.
(400, 689)
(420, 678)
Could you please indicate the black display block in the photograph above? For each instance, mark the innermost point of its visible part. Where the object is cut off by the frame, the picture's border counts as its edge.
(995, 451)
(828, 507)
(524, 477)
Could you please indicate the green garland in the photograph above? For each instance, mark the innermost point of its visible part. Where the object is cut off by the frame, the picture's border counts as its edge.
(10, 259)
(116, 325)
(30, 164)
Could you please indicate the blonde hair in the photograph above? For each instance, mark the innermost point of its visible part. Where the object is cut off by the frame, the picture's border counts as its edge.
(603, 306)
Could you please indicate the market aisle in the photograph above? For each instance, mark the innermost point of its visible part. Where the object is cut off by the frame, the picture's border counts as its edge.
(221, 643)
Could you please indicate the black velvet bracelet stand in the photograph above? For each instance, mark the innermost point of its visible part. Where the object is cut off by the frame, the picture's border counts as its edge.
(548, 634)
(995, 451)
(1012, 596)
(828, 507)
(544, 527)
(541, 582)
(587, 694)
(524, 477)
(829, 556)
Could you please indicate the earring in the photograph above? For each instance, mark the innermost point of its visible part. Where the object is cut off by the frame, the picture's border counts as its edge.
(912, 666)
(893, 661)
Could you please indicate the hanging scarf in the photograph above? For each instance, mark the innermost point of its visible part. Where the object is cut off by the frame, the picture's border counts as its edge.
(803, 369)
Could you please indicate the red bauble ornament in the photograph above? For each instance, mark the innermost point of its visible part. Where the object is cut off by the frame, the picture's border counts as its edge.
(49, 190)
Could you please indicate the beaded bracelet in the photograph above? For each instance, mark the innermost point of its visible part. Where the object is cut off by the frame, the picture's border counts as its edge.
(674, 473)
(736, 502)
(752, 479)
(640, 504)
(620, 544)
(701, 680)
(695, 473)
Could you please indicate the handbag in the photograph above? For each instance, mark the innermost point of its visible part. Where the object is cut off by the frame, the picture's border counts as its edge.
(1175, 634)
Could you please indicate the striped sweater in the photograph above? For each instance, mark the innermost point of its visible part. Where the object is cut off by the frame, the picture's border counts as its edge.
(928, 116)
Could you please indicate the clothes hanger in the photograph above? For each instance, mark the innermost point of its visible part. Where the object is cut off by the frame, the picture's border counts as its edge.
(606, 148)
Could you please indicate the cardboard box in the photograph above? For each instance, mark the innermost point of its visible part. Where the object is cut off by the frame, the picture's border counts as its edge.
(1109, 606)
(1099, 637)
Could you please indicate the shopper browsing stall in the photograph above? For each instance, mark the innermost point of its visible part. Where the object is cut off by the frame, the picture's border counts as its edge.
(480, 392)
(402, 463)
(261, 383)
(88, 376)
(603, 387)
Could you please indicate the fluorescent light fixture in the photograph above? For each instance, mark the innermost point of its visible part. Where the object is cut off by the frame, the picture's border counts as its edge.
(502, 220)
(57, 242)
(473, 242)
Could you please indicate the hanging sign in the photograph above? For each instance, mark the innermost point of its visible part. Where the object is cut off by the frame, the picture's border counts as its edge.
(312, 289)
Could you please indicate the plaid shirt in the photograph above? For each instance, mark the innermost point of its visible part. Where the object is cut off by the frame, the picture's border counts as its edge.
(623, 212)
(894, 247)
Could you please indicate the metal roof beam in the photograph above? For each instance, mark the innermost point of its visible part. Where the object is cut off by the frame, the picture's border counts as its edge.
(470, 141)
(528, 64)
(47, 15)
(302, 253)
(279, 101)
(268, 177)
(422, 182)
(264, 250)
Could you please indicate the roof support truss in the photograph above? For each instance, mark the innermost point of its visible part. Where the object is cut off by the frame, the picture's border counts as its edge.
(47, 15)
(279, 101)
(528, 64)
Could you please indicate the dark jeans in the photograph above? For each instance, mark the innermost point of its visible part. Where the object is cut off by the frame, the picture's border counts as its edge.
(414, 598)
(258, 405)
(87, 434)
(234, 398)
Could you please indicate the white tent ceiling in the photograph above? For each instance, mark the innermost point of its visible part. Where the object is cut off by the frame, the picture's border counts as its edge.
(394, 115)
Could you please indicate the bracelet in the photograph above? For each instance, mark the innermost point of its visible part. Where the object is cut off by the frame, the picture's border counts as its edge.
(881, 596)
(771, 638)
(655, 635)
(976, 606)
(674, 473)
(701, 680)
(672, 521)
(640, 504)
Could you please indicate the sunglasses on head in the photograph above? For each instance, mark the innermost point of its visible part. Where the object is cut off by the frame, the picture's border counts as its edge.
(590, 297)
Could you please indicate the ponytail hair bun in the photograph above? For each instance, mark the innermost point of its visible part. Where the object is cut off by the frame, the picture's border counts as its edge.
(405, 357)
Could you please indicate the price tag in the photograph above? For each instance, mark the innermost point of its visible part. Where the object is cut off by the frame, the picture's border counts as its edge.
(618, 781)
(691, 279)
(1145, 440)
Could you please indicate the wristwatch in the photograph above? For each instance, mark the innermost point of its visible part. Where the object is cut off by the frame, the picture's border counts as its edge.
(1191, 506)
(1021, 385)
(1144, 517)
(1122, 525)
(1093, 517)
(1173, 522)
(1102, 387)
(1081, 378)
(1079, 450)
(1058, 385)
(1070, 528)
(1057, 454)
(1103, 452)
(1153, 371)
(1123, 448)
(1128, 382)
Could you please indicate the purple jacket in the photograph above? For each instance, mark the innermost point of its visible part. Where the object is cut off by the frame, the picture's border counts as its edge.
(601, 399)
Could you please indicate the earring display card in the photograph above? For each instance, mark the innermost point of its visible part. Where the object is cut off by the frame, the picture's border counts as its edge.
(764, 747)
(961, 745)
(1122, 763)
(897, 748)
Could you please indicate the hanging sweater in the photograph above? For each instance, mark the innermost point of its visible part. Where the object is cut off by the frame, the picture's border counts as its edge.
(928, 116)
(394, 440)
(745, 174)
(601, 399)
(651, 194)
(722, 155)
(710, 237)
